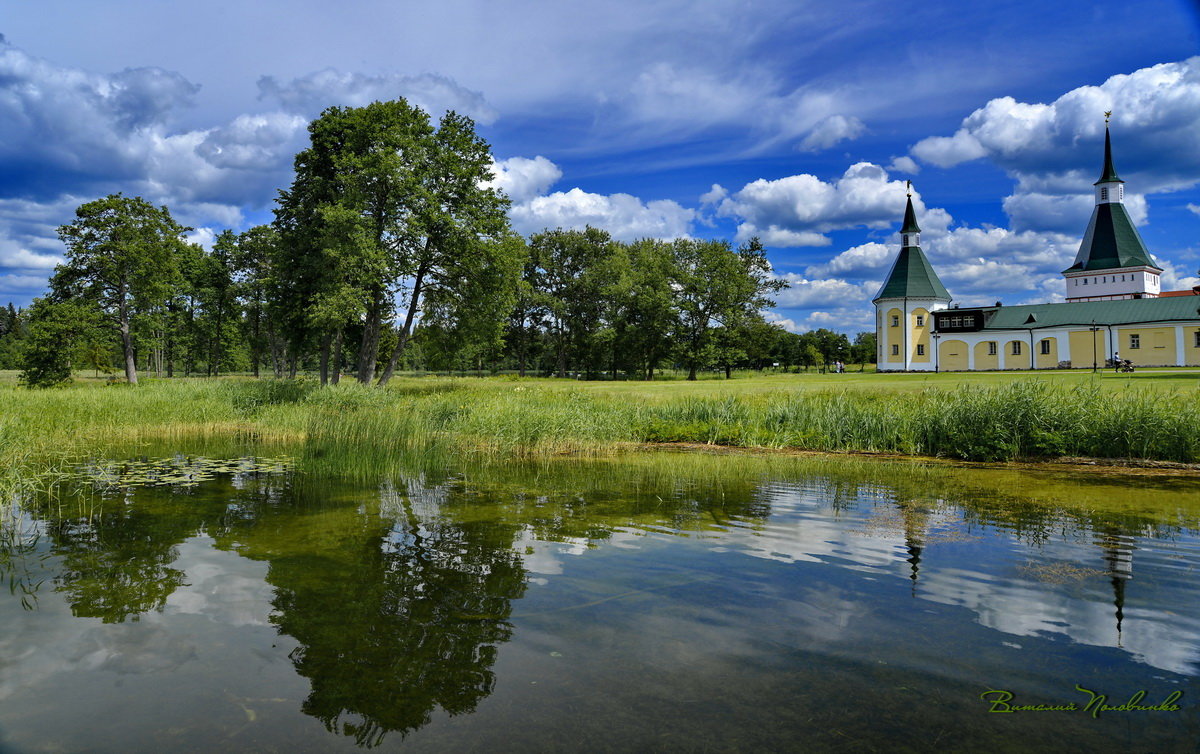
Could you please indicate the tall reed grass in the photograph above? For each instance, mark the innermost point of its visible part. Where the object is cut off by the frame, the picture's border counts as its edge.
(505, 418)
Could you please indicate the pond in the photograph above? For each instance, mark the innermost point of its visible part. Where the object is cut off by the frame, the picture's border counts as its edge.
(211, 600)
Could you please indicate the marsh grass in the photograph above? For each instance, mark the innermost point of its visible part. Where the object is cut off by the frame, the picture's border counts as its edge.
(505, 418)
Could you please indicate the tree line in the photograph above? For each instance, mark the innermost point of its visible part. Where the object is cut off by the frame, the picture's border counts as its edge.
(391, 251)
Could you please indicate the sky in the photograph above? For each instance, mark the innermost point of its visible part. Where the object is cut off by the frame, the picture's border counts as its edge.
(798, 122)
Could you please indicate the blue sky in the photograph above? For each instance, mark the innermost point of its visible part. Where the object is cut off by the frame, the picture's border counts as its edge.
(795, 121)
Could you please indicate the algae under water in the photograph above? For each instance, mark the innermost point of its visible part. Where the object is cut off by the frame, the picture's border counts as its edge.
(216, 601)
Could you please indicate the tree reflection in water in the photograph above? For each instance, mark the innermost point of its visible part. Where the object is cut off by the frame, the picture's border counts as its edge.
(399, 595)
(397, 614)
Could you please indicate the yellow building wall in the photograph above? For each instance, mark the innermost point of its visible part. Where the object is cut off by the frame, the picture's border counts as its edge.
(1157, 345)
(919, 336)
(1047, 360)
(1191, 351)
(1081, 349)
(952, 356)
(985, 361)
(1016, 361)
(895, 336)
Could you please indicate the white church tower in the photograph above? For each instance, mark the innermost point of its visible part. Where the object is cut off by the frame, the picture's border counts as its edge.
(905, 304)
(1112, 262)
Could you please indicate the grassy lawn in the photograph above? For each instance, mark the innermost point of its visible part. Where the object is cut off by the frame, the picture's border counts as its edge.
(1151, 414)
(749, 382)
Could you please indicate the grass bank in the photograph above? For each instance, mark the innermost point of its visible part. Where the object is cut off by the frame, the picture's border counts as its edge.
(1021, 417)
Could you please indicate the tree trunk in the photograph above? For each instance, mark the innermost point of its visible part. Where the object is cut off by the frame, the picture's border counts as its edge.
(325, 343)
(369, 353)
(402, 341)
(127, 347)
(727, 372)
(256, 349)
(337, 356)
(691, 373)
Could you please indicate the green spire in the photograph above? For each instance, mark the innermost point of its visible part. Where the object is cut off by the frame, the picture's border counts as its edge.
(912, 275)
(910, 218)
(1110, 173)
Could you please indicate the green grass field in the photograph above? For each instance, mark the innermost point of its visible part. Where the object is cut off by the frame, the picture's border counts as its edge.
(1153, 414)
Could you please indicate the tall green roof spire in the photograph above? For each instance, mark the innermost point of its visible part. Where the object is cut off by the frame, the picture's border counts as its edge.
(910, 219)
(912, 275)
(1111, 240)
(1110, 173)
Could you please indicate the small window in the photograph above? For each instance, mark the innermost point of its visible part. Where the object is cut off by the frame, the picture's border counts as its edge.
(920, 349)
(1135, 341)
(895, 321)
(1198, 339)
(920, 320)
(1085, 281)
(1016, 348)
(991, 348)
(1104, 195)
(1045, 347)
(895, 350)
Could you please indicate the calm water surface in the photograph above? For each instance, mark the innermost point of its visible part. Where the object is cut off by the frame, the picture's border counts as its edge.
(665, 602)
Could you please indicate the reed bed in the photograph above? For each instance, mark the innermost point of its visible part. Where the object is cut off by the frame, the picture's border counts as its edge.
(1023, 419)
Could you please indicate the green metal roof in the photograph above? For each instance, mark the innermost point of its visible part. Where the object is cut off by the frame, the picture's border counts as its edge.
(912, 277)
(1109, 173)
(910, 219)
(1111, 242)
(1123, 312)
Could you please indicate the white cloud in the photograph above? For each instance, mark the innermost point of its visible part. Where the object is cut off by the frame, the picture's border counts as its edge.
(1194, 208)
(522, 178)
(435, 94)
(21, 258)
(625, 217)
(805, 292)
(776, 318)
(718, 192)
(831, 131)
(904, 164)
(869, 258)
(1054, 151)
(21, 285)
(673, 100)
(203, 236)
(798, 209)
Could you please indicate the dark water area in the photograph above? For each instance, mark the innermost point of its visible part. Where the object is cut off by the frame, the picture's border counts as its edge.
(662, 602)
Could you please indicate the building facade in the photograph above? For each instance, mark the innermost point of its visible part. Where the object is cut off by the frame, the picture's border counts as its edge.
(1114, 307)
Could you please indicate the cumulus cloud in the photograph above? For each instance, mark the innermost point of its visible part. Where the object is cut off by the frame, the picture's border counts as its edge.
(807, 292)
(1063, 213)
(18, 257)
(63, 130)
(904, 164)
(776, 318)
(521, 178)
(1054, 150)
(831, 131)
(718, 192)
(625, 217)
(798, 210)
(1194, 208)
(871, 258)
(434, 94)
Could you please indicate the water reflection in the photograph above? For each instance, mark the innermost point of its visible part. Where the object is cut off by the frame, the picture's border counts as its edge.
(399, 597)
